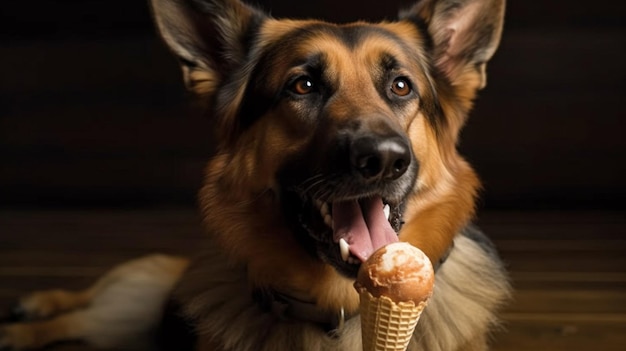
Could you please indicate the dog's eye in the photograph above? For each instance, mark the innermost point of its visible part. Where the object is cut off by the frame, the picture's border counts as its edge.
(401, 87)
(303, 86)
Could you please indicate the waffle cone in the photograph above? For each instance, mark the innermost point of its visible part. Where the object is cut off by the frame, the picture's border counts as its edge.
(387, 325)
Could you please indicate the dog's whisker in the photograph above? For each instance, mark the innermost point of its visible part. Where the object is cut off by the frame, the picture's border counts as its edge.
(311, 182)
(312, 186)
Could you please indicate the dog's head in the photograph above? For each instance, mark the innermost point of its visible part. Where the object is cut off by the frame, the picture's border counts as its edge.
(326, 131)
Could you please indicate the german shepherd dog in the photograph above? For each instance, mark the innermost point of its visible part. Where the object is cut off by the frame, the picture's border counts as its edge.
(333, 141)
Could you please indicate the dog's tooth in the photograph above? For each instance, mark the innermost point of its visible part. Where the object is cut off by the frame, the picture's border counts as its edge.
(344, 249)
(386, 210)
(328, 220)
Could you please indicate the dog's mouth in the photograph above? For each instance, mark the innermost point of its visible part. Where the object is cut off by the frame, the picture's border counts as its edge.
(346, 202)
(345, 232)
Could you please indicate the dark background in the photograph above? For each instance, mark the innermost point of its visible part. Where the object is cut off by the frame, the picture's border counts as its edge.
(93, 112)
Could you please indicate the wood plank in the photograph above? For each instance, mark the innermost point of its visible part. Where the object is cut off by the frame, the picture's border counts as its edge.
(553, 225)
(572, 246)
(564, 332)
(561, 301)
(563, 281)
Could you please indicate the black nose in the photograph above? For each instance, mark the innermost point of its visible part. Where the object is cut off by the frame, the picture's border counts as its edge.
(378, 158)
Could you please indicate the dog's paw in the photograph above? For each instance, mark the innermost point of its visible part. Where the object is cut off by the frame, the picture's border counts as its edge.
(35, 306)
(15, 337)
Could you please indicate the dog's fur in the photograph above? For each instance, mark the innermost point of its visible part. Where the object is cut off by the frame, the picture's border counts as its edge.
(307, 113)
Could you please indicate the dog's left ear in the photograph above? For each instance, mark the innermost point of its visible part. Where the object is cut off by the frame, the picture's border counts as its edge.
(465, 35)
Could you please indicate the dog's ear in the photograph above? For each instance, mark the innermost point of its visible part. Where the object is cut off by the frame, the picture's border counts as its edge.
(465, 35)
(208, 37)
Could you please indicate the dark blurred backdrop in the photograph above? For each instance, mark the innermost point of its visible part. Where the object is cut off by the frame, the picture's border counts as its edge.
(93, 112)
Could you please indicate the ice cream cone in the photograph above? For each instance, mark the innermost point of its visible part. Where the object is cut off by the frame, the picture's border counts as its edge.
(387, 325)
(394, 284)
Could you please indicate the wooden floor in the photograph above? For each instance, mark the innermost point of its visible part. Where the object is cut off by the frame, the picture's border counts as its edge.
(569, 268)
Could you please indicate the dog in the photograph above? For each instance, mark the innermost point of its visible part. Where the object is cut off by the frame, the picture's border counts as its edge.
(332, 141)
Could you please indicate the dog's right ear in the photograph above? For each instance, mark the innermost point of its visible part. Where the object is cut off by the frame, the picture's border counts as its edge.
(208, 37)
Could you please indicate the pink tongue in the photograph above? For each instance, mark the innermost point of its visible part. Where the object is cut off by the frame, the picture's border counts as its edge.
(363, 225)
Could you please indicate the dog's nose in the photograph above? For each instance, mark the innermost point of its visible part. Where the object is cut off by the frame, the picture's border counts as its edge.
(377, 158)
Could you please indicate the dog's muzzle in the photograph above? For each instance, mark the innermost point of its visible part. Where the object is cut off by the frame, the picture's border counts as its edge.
(349, 191)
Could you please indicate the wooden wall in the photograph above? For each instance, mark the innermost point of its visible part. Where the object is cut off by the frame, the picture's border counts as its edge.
(92, 110)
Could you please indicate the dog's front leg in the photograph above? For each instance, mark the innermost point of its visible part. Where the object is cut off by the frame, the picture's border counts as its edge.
(120, 308)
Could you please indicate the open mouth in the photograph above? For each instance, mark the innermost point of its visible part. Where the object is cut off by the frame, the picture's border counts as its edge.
(346, 202)
(344, 233)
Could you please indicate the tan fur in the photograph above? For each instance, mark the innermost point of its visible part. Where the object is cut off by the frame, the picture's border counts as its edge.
(230, 53)
(39, 334)
(54, 302)
(120, 308)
